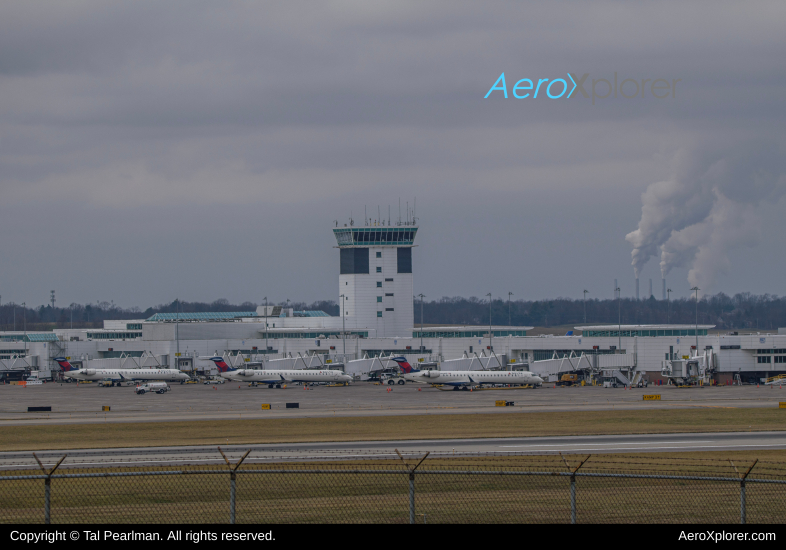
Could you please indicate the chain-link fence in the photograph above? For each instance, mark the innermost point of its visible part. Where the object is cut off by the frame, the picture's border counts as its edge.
(410, 488)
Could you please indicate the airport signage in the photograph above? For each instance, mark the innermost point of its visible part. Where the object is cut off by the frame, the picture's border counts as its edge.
(651, 397)
(105, 408)
(293, 405)
(782, 405)
(265, 406)
(503, 403)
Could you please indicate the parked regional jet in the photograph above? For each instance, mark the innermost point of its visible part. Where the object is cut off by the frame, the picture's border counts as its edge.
(278, 377)
(120, 375)
(463, 379)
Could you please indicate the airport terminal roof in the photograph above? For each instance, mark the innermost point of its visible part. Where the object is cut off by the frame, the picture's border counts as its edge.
(224, 315)
(202, 316)
(42, 337)
(645, 327)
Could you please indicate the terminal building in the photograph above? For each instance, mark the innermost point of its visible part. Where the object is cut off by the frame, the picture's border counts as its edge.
(376, 320)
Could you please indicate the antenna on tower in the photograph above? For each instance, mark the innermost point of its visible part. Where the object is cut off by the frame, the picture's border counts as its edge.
(399, 210)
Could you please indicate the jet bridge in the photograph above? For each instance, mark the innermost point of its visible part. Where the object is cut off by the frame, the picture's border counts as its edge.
(696, 370)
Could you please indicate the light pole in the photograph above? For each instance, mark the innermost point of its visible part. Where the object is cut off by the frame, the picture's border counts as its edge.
(177, 333)
(489, 295)
(343, 327)
(24, 316)
(619, 320)
(509, 295)
(668, 305)
(421, 321)
(696, 289)
(266, 346)
(585, 306)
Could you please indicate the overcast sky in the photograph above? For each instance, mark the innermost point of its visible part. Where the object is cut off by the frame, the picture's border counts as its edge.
(203, 150)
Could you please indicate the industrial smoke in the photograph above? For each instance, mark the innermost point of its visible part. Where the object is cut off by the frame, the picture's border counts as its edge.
(706, 208)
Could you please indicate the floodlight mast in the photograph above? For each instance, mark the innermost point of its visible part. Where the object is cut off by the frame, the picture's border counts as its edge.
(421, 321)
(490, 346)
(619, 320)
(696, 289)
(343, 327)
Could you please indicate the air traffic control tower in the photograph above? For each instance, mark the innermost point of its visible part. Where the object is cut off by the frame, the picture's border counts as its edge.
(376, 277)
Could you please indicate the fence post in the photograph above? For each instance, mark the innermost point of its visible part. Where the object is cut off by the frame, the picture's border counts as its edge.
(573, 499)
(48, 488)
(47, 509)
(412, 484)
(232, 482)
(743, 511)
(412, 498)
(232, 487)
(573, 485)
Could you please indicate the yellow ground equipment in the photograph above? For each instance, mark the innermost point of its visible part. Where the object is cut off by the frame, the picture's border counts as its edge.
(568, 380)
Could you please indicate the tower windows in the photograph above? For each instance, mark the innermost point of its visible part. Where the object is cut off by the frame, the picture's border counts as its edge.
(379, 284)
(379, 314)
(379, 299)
(354, 261)
(379, 269)
(379, 254)
(404, 260)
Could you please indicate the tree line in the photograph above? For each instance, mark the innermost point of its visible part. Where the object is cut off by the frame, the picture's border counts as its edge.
(742, 311)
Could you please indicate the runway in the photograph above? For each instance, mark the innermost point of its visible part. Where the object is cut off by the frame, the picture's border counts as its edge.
(82, 404)
(265, 454)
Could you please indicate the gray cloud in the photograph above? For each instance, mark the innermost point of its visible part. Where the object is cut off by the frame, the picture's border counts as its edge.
(257, 117)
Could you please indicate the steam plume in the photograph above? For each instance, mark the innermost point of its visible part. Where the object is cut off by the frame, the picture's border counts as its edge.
(706, 208)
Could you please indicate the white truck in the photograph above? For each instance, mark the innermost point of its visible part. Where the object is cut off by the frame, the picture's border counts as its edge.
(157, 387)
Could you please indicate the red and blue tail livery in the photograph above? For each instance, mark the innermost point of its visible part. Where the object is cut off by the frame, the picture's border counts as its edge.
(64, 364)
(404, 365)
(221, 364)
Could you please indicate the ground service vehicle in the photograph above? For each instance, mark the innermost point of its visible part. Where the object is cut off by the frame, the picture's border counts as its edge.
(157, 387)
(568, 380)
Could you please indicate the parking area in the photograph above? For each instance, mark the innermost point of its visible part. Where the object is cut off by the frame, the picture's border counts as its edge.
(72, 403)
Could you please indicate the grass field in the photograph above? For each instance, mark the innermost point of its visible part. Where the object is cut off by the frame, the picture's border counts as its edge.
(294, 430)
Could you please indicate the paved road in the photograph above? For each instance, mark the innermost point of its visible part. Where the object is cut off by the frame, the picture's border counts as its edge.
(196, 455)
(72, 404)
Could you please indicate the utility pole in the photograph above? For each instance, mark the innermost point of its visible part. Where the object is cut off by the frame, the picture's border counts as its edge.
(489, 295)
(585, 305)
(509, 295)
(343, 327)
(668, 305)
(619, 320)
(421, 321)
(696, 289)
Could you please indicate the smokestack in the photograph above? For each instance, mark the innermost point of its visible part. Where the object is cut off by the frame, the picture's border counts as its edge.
(664, 288)
(637, 288)
(650, 294)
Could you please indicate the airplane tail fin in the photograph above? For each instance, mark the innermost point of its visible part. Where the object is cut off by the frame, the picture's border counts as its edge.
(222, 365)
(404, 365)
(64, 364)
(569, 333)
